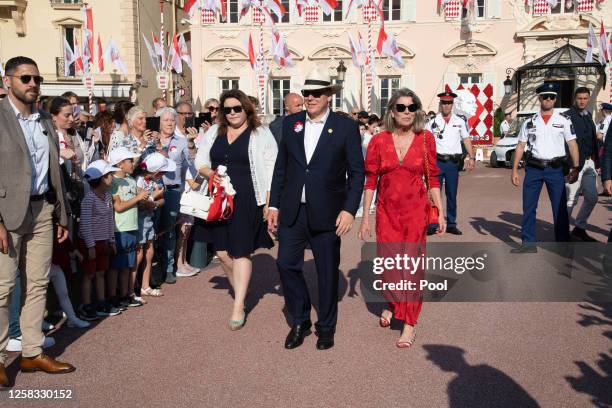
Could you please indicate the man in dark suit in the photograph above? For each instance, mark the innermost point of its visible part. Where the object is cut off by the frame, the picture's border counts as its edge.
(31, 202)
(316, 189)
(606, 168)
(294, 103)
(586, 137)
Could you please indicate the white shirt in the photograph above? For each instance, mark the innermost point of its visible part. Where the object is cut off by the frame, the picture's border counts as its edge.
(38, 147)
(604, 125)
(448, 135)
(178, 133)
(504, 127)
(546, 140)
(312, 133)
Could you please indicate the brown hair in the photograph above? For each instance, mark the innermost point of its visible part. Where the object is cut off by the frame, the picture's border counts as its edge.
(104, 120)
(252, 119)
(420, 118)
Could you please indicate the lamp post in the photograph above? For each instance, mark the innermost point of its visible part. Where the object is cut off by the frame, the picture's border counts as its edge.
(508, 81)
(341, 70)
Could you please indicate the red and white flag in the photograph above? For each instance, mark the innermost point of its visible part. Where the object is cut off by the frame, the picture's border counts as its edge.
(184, 51)
(174, 57)
(280, 50)
(591, 40)
(328, 6)
(152, 55)
(301, 5)
(214, 6)
(69, 57)
(388, 46)
(191, 6)
(88, 46)
(355, 52)
(100, 55)
(78, 58)
(569, 4)
(112, 54)
(159, 51)
(276, 7)
(355, 4)
(252, 52)
(604, 56)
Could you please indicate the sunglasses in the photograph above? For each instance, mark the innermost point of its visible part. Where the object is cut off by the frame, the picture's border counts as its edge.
(446, 102)
(400, 107)
(25, 79)
(213, 108)
(229, 109)
(551, 97)
(315, 94)
(185, 113)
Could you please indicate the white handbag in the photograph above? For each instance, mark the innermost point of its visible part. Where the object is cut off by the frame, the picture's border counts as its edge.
(197, 203)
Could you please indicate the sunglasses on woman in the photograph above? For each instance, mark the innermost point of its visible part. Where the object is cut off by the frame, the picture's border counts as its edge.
(400, 107)
(228, 109)
(213, 108)
(25, 79)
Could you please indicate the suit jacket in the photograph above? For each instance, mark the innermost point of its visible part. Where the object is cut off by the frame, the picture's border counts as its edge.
(586, 135)
(276, 127)
(333, 178)
(606, 160)
(16, 169)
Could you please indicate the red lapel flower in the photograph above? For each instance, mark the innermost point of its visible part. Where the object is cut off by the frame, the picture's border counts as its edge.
(298, 127)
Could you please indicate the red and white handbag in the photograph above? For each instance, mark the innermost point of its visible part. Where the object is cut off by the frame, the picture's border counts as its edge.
(216, 204)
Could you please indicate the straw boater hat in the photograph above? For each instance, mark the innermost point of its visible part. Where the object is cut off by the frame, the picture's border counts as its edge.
(318, 80)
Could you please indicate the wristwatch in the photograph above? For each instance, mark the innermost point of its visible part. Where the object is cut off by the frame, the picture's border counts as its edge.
(472, 158)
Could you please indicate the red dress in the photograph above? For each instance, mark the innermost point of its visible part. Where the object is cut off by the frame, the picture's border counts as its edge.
(401, 209)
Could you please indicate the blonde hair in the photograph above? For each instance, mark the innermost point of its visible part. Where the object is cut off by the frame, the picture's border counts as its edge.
(133, 112)
(420, 117)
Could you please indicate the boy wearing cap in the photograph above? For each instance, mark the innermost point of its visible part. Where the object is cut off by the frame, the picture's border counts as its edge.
(97, 238)
(126, 198)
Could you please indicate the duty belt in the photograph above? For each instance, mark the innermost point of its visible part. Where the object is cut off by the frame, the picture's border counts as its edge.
(449, 157)
(543, 163)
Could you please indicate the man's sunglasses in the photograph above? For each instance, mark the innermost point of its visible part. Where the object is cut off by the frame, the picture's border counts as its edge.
(400, 107)
(213, 108)
(315, 94)
(548, 96)
(228, 109)
(26, 79)
(446, 102)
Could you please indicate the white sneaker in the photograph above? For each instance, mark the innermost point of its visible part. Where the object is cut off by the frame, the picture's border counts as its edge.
(78, 323)
(15, 344)
(184, 272)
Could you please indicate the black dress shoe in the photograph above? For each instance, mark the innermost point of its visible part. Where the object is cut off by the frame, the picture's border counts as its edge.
(295, 338)
(525, 249)
(325, 341)
(454, 231)
(580, 235)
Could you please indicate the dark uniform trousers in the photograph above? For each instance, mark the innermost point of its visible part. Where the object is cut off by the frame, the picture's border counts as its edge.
(449, 175)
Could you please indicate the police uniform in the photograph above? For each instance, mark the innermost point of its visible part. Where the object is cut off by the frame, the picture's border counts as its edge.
(544, 158)
(604, 124)
(448, 136)
(504, 127)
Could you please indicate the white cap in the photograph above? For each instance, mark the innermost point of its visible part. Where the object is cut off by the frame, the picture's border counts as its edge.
(157, 162)
(98, 169)
(120, 154)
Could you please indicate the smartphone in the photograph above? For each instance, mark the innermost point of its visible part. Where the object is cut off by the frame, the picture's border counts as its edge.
(89, 124)
(190, 122)
(203, 117)
(152, 123)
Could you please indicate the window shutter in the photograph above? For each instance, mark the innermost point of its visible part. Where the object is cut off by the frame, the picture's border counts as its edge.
(493, 8)
(408, 10)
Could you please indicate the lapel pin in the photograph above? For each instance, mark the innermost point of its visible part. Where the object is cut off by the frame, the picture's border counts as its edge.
(330, 131)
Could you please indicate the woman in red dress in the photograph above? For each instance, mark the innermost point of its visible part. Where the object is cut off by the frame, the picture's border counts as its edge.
(395, 165)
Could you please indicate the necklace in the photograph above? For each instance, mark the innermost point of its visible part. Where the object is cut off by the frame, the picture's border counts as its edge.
(401, 146)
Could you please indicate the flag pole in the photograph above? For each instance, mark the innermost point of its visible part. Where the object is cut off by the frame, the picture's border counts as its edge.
(262, 68)
(370, 71)
(162, 41)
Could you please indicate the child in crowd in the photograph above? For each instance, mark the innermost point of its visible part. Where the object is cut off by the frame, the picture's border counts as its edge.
(97, 238)
(126, 197)
(63, 261)
(152, 168)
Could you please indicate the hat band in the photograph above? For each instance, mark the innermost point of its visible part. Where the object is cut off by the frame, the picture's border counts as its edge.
(316, 82)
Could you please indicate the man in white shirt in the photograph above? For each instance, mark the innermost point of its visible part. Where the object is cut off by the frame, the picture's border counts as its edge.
(504, 128)
(316, 189)
(449, 131)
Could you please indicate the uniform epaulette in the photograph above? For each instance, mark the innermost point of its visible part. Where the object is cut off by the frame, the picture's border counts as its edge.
(565, 115)
(463, 117)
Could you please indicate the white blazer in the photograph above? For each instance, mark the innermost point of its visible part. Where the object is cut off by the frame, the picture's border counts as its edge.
(262, 157)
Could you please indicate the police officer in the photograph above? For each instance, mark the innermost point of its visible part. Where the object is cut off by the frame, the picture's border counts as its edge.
(542, 138)
(504, 128)
(604, 124)
(449, 130)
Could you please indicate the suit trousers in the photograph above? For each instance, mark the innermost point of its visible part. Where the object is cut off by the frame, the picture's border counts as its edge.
(449, 176)
(532, 186)
(30, 250)
(587, 186)
(325, 247)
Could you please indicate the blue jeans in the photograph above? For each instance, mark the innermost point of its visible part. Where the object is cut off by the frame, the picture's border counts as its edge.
(555, 185)
(167, 225)
(15, 308)
(449, 176)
